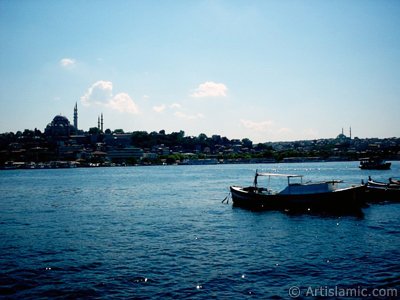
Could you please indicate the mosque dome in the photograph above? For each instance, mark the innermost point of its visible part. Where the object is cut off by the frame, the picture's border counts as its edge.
(60, 126)
(60, 121)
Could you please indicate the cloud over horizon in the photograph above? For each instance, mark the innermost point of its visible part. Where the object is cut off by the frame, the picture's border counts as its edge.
(67, 62)
(185, 116)
(163, 107)
(267, 129)
(101, 93)
(178, 111)
(159, 108)
(210, 89)
(257, 126)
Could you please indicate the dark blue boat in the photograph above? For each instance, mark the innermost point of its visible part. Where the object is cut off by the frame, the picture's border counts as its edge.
(325, 195)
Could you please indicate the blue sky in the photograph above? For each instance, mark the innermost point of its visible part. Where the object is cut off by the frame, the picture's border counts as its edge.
(265, 70)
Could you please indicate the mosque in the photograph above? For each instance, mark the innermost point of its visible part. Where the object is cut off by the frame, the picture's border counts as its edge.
(342, 137)
(61, 127)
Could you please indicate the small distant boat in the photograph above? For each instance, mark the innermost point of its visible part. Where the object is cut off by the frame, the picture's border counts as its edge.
(381, 191)
(394, 181)
(325, 195)
(370, 163)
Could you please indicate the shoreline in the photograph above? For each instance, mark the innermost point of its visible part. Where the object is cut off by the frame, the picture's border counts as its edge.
(73, 164)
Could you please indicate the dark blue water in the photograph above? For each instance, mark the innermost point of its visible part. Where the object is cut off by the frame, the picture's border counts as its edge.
(162, 233)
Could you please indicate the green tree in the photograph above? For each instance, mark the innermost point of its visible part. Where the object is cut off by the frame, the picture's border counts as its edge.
(94, 130)
(171, 159)
(202, 137)
(141, 139)
(247, 143)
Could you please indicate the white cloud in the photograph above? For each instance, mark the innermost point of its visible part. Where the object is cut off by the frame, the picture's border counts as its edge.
(175, 105)
(101, 93)
(210, 89)
(182, 115)
(163, 107)
(159, 108)
(285, 130)
(257, 126)
(67, 62)
(122, 102)
(266, 129)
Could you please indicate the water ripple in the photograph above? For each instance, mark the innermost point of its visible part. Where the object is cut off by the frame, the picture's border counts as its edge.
(117, 234)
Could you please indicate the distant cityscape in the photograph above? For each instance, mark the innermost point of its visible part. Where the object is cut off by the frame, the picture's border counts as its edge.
(63, 144)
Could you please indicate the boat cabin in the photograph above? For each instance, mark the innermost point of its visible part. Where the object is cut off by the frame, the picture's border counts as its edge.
(298, 187)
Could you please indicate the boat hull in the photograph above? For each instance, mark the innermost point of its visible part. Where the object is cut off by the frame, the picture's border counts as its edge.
(348, 199)
(377, 194)
(385, 166)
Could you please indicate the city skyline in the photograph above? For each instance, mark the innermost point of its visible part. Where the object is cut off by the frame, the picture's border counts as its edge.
(263, 70)
(100, 126)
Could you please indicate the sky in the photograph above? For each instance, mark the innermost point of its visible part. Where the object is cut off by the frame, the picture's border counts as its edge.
(263, 70)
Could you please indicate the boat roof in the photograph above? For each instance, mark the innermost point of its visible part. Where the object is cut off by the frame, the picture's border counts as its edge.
(277, 174)
(371, 158)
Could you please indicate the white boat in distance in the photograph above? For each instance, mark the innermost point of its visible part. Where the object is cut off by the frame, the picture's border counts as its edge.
(325, 195)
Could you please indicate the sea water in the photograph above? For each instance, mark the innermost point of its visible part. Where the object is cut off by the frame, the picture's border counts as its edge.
(162, 233)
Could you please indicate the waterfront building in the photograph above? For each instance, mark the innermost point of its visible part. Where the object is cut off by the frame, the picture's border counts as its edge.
(69, 151)
(121, 154)
(120, 140)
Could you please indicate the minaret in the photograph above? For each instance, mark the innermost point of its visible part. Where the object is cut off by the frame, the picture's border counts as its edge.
(350, 132)
(76, 116)
(98, 122)
(101, 122)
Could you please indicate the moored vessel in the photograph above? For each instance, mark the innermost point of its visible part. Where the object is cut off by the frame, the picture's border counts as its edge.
(374, 163)
(324, 195)
(378, 191)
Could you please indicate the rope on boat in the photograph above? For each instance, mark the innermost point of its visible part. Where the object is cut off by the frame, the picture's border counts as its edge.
(226, 198)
